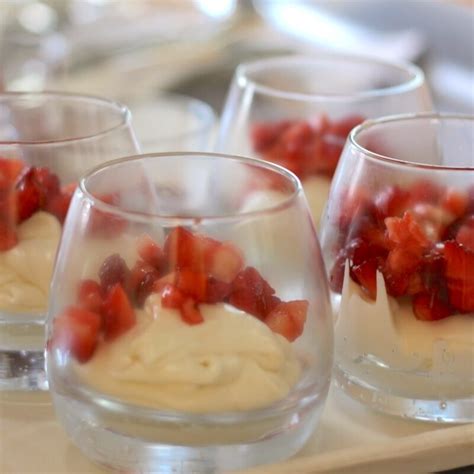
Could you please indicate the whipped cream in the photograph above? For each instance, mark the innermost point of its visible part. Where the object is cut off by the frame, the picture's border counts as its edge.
(26, 269)
(419, 357)
(232, 361)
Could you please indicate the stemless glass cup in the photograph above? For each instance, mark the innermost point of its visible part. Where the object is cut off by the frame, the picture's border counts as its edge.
(298, 110)
(398, 241)
(47, 140)
(189, 324)
(171, 122)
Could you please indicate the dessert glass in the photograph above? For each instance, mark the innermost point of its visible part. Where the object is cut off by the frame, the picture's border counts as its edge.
(188, 329)
(171, 122)
(298, 110)
(398, 242)
(47, 140)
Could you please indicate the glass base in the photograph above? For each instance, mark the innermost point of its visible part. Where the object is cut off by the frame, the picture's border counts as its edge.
(22, 370)
(22, 364)
(114, 449)
(438, 411)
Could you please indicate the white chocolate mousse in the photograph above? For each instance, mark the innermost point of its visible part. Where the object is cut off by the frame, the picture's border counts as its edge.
(231, 361)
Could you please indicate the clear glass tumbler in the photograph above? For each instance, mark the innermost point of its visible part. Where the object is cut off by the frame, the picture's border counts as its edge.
(172, 122)
(190, 327)
(398, 241)
(47, 141)
(297, 111)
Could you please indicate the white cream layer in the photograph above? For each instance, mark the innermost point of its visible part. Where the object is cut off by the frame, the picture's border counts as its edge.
(230, 362)
(26, 269)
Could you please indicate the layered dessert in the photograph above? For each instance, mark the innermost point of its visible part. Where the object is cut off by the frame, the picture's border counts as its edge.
(187, 326)
(309, 148)
(33, 206)
(404, 270)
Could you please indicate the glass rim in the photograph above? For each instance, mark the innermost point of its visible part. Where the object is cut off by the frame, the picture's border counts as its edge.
(415, 80)
(191, 220)
(390, 119)
(210, 118)
(123, 110)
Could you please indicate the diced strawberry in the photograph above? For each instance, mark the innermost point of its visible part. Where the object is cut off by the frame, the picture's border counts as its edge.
(251, 293)
(112, 271)
(28, 195)
(217, 290)
(106, 224)
(465, 233)
(343, 126)
(47, 182)
(329, 155)
(184, 249)
(150, 251)
(190, 313)
(172, 297)
(142, 280)
(193, 284)
(425, 191)
(89, 295)
(288, 319)
(407, 233)
(77, 331)
(58, 205)
(224, 262)
(10, 170)
(118, 313)
(264, 134)
(366, 275)
(8, 237)
(455, 202)
(460, 276)
(428, 307)
(391, 202)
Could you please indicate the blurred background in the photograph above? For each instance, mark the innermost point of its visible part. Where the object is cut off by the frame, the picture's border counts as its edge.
(133, 50)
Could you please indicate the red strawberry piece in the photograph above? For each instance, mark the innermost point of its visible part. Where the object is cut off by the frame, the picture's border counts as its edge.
(459, 276)
(28, 195)
(365, 275)
(10, 170)
(406, 232)
(295, 136)
(265, 134)
(429, 307)
(193, 284)
(89, 295)
(343, 126)
(217, 291)
(150, 251)
(356, 204)
(190, 313)
(58, 205)
(112, 271)
(391, 202)
(425, 191)
(143, 277)
(77, 331)
(465, 233)
(184, 249)
(455, 202)
(118, 313)
(288, 319)
(329, 155)
(106, 224)
(47, 182)
(172, 297)
(251, 293)
(398, 268)
(8, 237)
(415, 284)
(224, 262)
